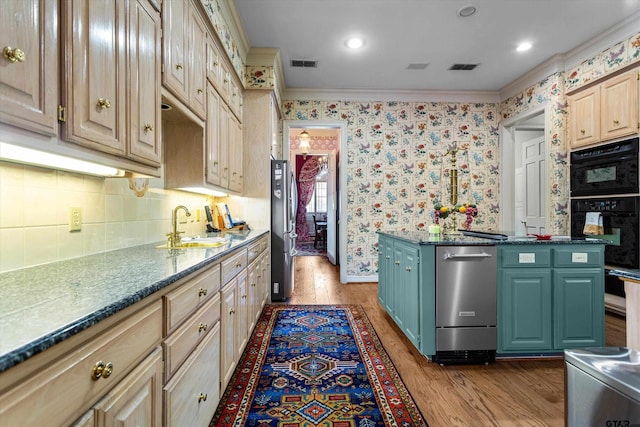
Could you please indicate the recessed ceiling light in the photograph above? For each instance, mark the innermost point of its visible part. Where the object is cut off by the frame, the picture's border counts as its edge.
(466, 11)
(354, 43)
(524, 46)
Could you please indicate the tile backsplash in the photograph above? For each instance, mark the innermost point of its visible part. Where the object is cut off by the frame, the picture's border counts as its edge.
(35, 212)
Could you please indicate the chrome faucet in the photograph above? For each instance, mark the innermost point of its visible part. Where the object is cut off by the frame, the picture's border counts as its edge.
(174, 237)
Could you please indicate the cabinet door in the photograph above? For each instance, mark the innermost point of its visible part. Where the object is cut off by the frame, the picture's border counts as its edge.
(242, 332)
(578, 307)
(213, 61)
(136, 400)
(584, 117)
(29, 82)
(253, 279)
(144, 83)
(197, 57)
(175, 22)
(384, 268)
(524, 310)
(619, 110)
(223, 140)
(235, 154)
(228, 330)
(213, 136)
(192, 395)
(410, 294)
(94, 74)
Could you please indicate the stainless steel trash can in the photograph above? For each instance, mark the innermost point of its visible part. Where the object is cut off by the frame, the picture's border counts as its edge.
(602, 387)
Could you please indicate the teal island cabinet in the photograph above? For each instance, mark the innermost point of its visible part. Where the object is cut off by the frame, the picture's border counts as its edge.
(550, 294)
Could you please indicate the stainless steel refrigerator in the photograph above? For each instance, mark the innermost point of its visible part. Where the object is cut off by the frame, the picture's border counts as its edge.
(284, 204)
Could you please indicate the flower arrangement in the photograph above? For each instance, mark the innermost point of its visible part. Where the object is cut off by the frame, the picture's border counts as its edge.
(468, 209)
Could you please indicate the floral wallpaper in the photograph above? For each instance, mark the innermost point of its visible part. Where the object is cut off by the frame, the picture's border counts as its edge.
(397, 165)
(610, 60)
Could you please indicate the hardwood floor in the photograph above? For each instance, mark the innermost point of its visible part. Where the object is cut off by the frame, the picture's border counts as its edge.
(504, 393)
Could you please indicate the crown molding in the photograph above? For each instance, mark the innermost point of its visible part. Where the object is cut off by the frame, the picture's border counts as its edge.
(552, 65)
(390, 95)
(604, 41)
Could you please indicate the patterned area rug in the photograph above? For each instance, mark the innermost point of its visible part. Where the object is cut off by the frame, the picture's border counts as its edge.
(319, 365)
(307, 249)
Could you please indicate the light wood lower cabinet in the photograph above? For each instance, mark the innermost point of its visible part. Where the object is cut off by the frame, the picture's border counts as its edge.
(162, 362)
(135, 401)
(63, 388)
(192, 395)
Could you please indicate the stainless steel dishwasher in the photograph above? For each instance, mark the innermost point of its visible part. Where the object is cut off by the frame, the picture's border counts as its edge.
(466, 304)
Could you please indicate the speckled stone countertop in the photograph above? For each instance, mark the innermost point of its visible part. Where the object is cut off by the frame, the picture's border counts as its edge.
(424, 238)
(626, 274)
(44, 305)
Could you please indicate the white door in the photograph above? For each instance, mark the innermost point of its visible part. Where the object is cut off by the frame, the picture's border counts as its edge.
(331, 209)
(531, 188)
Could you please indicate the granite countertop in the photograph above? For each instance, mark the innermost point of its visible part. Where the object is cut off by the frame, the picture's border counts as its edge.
(44, 305)
(424, 238)
(626, 274)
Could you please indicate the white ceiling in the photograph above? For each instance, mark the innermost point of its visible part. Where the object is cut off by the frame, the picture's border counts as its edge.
(402, 32)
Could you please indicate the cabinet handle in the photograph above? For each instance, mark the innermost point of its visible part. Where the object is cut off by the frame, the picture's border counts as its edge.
(238, 265)
(104, 103)
(202, 291)
(215, 63)
(14, 55)
(202, 397)
(244, 296)
(387, 257)
(199, 91)
(616, 122)
(396, 262)
(407, 268)
(232, 311)
(582, 131)
(234, 94)
(101, 370)
(178, 66)
(253, 284)
(148, 128)
(202, 327)
(226, 81)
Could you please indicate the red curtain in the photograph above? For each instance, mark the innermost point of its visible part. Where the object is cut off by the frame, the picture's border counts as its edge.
(307, 170)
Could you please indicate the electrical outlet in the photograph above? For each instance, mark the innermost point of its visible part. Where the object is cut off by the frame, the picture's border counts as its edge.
(75, 219)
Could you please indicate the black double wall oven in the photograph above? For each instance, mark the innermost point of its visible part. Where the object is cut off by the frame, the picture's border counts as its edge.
(604, 180)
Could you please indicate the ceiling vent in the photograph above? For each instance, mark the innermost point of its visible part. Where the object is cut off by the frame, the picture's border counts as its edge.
(304, 63)
(464, 67)
(417, 66)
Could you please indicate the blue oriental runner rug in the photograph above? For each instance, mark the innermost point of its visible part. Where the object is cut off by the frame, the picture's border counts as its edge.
(319, 365)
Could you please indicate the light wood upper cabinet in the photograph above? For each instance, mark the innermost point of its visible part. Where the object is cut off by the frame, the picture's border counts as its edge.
(619, 100)
(223, 132)
(197, 61)
(235, 155)
(29, 78)
(94, 78)
(213, 62)
(584, 126)
(145, 143)
(213, 136)
(175, 23)
(605, 111)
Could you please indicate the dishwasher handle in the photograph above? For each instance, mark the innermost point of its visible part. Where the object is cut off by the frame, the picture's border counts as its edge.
(462, 256)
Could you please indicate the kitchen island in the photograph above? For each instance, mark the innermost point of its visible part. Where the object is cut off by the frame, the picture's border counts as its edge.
(631, 280)
(549, 293)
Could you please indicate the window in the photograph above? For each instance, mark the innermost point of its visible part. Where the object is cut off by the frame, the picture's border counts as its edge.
(318, 202)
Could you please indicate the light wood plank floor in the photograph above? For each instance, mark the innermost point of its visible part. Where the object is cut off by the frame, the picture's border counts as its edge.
(504, 393)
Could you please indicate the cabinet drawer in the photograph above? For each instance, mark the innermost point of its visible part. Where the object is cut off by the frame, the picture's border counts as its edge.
(233, 265)
(253, 251)
(192, 395)
(525, 256)
(186, 299)
(61, 393)
(579, 256)
(178, 346)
